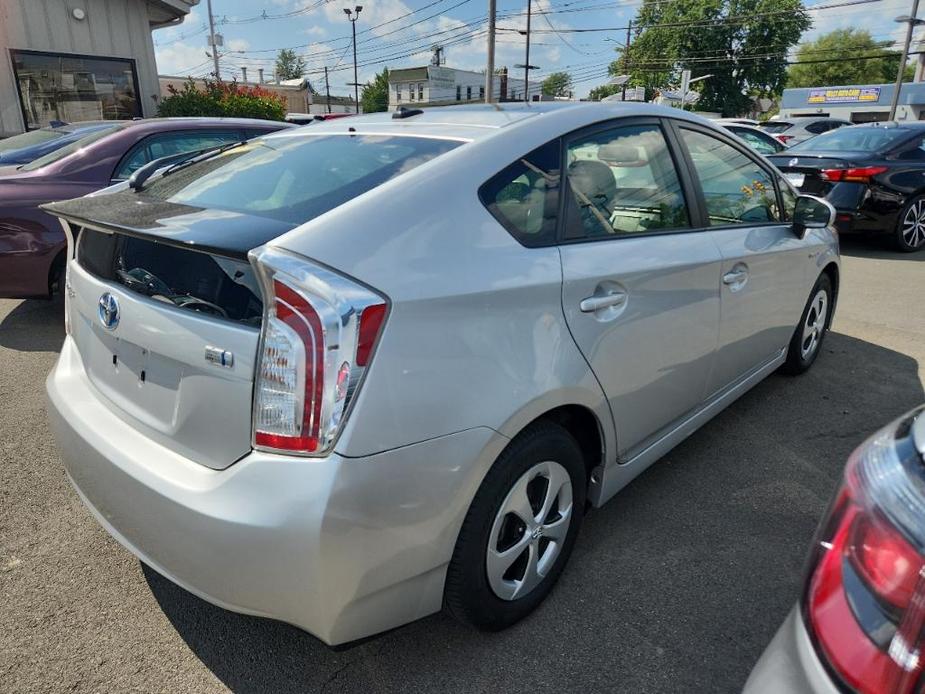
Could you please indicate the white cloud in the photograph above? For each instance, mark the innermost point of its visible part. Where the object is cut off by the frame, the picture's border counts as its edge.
(315, 30)
(180, 58)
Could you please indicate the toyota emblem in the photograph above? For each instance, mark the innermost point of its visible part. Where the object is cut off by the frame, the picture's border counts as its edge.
(108, 309)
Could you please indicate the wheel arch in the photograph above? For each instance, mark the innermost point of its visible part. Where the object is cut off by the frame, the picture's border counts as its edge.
(589, 422)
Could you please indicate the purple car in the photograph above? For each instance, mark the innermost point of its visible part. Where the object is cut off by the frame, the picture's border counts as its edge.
(32, 242)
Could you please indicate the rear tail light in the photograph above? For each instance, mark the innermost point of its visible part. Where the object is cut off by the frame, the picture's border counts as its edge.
(784, 138)
(855, 175)
(864, 602)
(319, 333)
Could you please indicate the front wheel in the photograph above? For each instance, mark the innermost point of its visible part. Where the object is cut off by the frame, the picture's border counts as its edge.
(910, 226)
(814, 324)
(519, 531)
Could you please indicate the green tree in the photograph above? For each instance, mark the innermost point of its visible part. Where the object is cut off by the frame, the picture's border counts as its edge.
(375, 94)
(558, 84)
(289, 66)
(843, 47)
(598, 93)
(743, 44)
(223, 99)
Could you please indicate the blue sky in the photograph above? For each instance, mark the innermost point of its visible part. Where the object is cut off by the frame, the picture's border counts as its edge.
(399, 33)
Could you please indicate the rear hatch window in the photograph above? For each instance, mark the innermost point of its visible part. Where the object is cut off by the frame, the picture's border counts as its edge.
(208, 284)
(854, 139)
(294, 179)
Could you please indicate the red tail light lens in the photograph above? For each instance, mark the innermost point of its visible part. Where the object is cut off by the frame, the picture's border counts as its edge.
(319, 331)
(854, 175)
(864, 603)
(784, 138)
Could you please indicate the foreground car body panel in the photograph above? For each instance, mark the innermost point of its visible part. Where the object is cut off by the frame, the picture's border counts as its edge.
(476, 345)
(790, 664)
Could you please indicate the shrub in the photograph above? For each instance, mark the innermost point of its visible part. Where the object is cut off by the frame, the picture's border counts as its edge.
(228, 99)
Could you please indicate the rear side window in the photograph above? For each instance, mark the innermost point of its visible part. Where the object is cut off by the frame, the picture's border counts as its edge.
(736, 189)
(524, 197)
(818, 127)
(294, 179)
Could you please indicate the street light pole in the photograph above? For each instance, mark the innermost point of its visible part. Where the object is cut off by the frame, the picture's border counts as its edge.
(490, 72)
(353, 16)
(527, 61)
(912, 22)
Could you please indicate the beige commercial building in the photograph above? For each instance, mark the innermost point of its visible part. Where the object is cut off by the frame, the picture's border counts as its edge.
(79, 59)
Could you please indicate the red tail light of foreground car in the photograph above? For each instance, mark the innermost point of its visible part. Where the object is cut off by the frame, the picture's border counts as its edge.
(864, 603)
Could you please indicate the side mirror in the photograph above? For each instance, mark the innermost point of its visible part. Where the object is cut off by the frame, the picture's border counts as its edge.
(811, 212)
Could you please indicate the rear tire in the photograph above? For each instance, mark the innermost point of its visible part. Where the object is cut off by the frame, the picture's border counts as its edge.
(909, 235)
(811, 330)
(519, 531)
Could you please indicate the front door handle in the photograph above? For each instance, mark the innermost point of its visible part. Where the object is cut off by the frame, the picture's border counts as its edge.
(599, 301)
(735, 276)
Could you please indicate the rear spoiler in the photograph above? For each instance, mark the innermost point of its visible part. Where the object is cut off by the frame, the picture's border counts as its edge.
(216, 232)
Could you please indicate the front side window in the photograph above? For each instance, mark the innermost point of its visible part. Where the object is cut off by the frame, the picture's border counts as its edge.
(736, 188)
(623, 181)
(67, 150)
(295, 179)
(55, 86)
(788, 198)
(524, 197)
(157, 146)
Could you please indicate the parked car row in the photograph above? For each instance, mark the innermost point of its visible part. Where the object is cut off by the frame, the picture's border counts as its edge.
(68, 161)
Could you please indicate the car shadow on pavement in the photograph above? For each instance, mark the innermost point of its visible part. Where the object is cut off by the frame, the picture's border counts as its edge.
(677, 584)
(34, 325)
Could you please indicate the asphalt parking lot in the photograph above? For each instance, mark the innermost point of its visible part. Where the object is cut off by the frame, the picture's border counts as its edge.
(676, 585)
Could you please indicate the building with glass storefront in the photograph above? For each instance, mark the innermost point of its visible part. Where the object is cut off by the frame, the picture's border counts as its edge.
(71, 60)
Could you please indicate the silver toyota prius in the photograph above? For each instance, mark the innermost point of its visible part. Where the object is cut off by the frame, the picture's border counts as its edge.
(347, 376)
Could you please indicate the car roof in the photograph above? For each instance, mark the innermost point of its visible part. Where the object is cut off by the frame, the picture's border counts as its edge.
(479, 121)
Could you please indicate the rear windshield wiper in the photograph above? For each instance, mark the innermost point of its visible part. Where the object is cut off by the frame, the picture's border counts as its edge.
(174, 162)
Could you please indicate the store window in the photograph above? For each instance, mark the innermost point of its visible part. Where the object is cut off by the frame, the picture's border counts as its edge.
(56, 86)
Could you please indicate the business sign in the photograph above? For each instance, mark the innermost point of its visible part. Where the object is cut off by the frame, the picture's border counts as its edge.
(849, 95)
(441, 77)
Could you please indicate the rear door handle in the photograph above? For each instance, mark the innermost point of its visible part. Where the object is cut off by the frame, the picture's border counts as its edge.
(599, 301)
(735, 276)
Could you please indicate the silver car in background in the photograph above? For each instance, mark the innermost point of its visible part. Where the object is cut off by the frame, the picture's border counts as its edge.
(791, 131)
(348, 375)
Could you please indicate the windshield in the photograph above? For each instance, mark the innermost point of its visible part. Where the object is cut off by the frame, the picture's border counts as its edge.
(30, 139)
(294, 179)
(59, 154)
(775, 126)
(857, 139)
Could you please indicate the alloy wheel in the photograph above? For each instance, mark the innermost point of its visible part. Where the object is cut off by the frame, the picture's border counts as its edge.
(913, 226)
(814, 326)
(529, 530)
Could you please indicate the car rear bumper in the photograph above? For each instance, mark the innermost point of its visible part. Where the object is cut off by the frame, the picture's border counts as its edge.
(341, 547)
(790, 664)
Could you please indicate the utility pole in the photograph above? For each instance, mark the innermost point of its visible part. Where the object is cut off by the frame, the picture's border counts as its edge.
(527, 61)
(912, 22)
(353, 17)
(490, 72)
(327, 87)
(218, 75)
(626, 55)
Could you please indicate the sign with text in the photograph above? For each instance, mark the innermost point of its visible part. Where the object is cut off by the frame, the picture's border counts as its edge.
(441, 77)
(844, 95)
